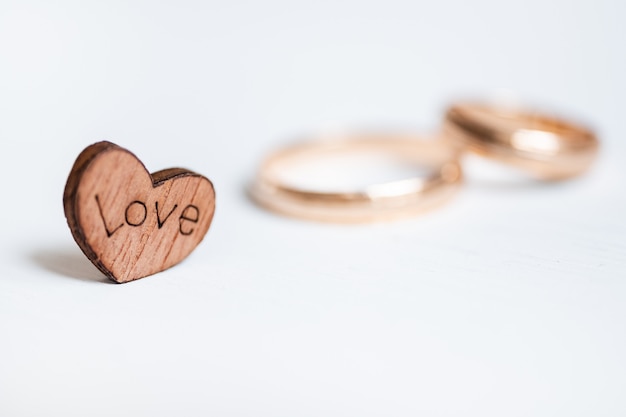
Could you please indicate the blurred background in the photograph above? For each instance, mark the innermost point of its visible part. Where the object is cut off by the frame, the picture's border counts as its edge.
(218, 83)
(508, 302)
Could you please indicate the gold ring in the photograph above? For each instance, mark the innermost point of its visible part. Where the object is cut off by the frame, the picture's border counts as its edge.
(547, 147)
(440, 177)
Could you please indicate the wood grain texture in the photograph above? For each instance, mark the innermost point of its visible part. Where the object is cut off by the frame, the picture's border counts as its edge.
(131, 223)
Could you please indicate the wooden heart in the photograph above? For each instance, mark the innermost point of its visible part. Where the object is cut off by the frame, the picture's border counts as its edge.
(130, 223)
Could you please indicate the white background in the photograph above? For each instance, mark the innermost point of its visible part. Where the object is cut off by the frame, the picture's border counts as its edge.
(510, 301)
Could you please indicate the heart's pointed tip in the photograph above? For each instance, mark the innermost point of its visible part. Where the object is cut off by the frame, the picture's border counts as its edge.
(126, 278)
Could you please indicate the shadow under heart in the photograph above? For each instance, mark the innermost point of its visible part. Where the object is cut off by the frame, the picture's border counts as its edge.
(69, 262)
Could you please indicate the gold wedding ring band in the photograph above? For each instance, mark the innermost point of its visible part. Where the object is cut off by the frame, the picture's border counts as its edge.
(378, 201)
(547, 147)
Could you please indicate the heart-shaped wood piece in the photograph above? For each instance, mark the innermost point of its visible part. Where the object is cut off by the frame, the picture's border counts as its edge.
(131, 223)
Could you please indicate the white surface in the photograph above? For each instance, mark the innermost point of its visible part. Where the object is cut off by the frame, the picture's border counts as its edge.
(508, 302)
